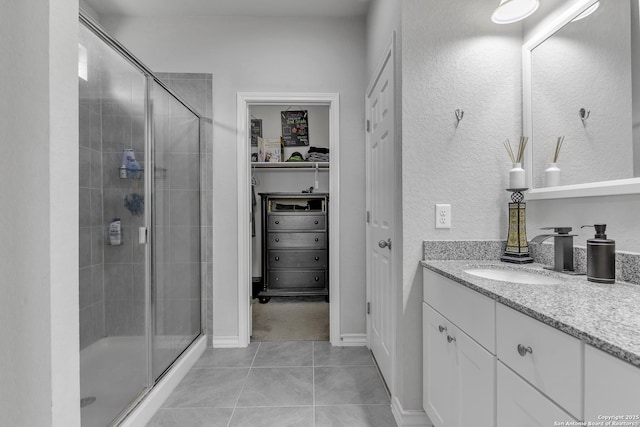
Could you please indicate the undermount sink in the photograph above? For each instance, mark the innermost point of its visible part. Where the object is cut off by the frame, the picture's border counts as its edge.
(513, 276)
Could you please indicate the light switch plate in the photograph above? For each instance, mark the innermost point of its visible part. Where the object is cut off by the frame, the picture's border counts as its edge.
(443, 216)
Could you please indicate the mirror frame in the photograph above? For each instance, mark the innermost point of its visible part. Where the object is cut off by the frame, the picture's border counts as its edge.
(591, 189)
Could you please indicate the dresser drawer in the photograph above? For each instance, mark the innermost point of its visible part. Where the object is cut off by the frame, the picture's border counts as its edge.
(297, 279)
(296, 222)
(297, 240)
(472, 312)
(549, 359)
(297, 259)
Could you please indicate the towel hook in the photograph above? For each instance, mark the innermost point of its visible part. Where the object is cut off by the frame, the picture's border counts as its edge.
(584, 115)
(459, 115)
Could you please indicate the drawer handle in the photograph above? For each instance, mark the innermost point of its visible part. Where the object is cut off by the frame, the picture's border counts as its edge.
(277, 258)
(277, 239)
(317, 258)
(317, 279)
(277, 222)
(442, 328)
(315, 222)
(450, 338)
(522, 350)
(317, 240)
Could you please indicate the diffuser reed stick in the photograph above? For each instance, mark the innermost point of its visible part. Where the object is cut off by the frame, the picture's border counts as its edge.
(556, 153)
(521, 146)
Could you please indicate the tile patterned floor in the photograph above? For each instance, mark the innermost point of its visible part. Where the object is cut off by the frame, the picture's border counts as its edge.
(280, 384)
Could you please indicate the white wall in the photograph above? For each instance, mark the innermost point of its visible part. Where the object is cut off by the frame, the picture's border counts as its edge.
(453, 57)
(39, 358)
(247, 54)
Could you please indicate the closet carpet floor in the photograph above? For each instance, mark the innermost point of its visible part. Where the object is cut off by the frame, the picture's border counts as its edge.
(290, 319)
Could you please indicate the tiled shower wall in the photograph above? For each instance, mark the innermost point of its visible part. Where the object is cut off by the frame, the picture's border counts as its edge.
(112, 277)
(197, 90)
(91, 220)
(123, 118)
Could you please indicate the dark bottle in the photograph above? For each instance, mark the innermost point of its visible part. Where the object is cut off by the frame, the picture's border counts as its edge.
(601, 256)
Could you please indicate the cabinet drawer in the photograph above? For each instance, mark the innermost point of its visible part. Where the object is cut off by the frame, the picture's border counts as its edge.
(297, 279)
(611, 387)
(519, 404)
(296, 222)
(472, 312)
(554, 363)
(297, 240)
(297, 259)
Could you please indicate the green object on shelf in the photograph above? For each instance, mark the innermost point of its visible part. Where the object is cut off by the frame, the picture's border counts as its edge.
(295, 157)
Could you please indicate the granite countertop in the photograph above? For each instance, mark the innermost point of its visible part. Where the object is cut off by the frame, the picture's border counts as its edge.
(606, 316)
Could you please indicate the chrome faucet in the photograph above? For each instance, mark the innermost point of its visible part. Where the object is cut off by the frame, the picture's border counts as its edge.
(562, 247)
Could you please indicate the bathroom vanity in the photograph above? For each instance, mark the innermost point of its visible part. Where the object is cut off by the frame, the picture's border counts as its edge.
(498, 353)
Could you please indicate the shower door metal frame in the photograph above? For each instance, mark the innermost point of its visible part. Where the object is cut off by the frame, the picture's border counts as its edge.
(150, 79)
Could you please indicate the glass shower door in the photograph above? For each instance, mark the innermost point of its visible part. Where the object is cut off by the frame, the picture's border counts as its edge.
(176, 283)
(113, 338)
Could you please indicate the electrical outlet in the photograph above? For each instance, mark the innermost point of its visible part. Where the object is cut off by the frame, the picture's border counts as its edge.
(443, 216)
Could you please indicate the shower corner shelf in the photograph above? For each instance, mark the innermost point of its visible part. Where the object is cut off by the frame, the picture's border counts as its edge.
(126, 173)
(159, 173)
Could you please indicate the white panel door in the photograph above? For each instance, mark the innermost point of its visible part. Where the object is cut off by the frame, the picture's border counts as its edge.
(380, 226)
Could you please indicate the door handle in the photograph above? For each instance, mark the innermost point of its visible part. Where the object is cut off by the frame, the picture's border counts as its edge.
(385, 244)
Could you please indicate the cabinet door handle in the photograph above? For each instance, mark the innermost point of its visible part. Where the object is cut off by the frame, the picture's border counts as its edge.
(317, 240)
(317, 279)
(277, 222)
(317, 258)
(442, 328)
(522, 350)
(315, 222)
(277, 258)
(277, 239)
(450, 338)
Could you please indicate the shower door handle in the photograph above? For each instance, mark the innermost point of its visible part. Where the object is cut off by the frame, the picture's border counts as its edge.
(142, 235)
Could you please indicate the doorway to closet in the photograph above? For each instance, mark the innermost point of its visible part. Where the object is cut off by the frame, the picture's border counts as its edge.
(297, 274)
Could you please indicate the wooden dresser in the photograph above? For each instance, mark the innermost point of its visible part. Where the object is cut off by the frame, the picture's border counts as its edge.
(295, 245)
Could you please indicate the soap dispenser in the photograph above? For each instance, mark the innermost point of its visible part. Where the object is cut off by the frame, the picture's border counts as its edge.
(601, 256)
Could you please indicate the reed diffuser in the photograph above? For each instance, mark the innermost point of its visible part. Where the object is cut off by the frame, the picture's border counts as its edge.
(516, 174)
(552, 173)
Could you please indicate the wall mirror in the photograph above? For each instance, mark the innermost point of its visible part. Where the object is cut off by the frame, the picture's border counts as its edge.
(578, 82)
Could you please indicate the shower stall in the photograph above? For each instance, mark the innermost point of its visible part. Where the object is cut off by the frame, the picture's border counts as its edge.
(140, 228)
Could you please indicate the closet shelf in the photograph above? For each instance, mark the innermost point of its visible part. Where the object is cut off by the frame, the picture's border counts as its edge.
(290, 165)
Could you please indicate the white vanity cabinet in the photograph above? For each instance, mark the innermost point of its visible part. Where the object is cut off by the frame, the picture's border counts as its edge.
(612, 387)
(459, 380)
(548, 364)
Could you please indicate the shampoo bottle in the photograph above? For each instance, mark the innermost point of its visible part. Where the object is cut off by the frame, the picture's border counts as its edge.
(601, 256)
(115, 232)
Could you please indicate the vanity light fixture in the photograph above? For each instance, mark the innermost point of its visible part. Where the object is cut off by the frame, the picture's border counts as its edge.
(587, 12)
(514, 10)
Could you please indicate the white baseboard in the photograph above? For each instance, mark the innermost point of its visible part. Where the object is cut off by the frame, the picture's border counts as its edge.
(147, 408)
(352, 340)
(412, 417)
(225, 342)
